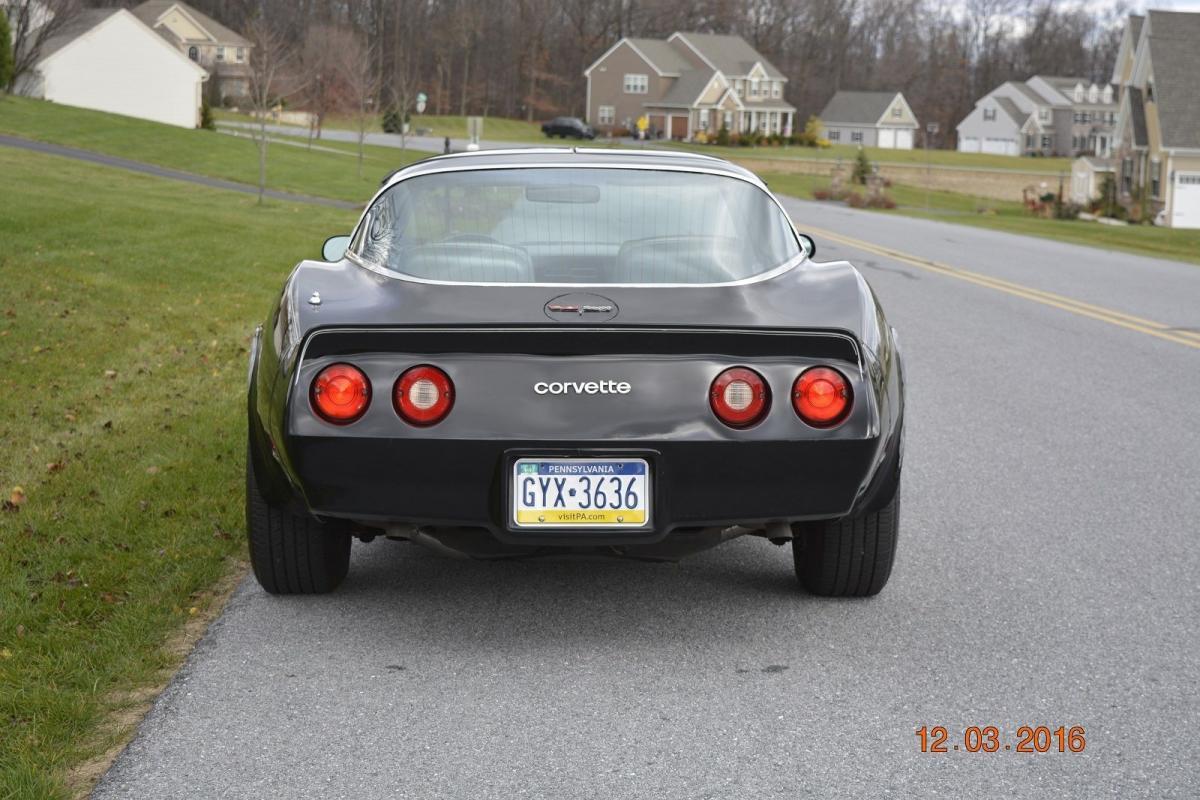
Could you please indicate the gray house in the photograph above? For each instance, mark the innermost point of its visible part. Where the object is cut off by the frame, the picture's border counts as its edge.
(871, 119)
(1041, 116)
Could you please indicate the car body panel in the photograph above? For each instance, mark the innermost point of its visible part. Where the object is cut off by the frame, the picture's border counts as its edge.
(497, 341)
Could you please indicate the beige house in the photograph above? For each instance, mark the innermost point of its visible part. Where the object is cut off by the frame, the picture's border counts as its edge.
(687, 84)
(1158, 119)
(224, 54)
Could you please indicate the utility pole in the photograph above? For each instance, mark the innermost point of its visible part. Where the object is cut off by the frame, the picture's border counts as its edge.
(931, 129)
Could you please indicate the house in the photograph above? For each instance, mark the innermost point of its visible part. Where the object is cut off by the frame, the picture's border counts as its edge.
(1087, 178)
(108, 60)
(687, 84)
(1158, 119)
(1041, 116)
(871, 119)
(222, 52)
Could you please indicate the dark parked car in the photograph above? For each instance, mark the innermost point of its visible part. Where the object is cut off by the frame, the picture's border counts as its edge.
(537, 351)
(571, 127)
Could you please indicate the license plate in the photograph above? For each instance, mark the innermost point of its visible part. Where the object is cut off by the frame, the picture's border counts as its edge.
(581, 493)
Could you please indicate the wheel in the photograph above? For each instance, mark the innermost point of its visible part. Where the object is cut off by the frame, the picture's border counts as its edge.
(293, 553)
(850, 557)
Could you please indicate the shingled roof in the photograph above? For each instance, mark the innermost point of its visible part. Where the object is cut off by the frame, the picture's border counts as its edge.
(857, 108)
(733, 55)
(150, 11)
(1176, 60)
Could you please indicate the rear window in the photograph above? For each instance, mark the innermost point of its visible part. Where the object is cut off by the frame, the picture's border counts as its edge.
(556, 225)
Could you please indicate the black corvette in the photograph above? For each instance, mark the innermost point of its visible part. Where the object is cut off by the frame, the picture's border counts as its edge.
(537, 351)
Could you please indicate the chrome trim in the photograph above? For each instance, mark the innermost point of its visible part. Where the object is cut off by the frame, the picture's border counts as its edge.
(786, 266)
(748, 177)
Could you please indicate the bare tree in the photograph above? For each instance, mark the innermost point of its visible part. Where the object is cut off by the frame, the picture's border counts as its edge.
(359, 70)
(318, 64)
(32, 24)
(270, 56)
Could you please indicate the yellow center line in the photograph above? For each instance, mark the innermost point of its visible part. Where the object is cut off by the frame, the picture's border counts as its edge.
(1090, 310)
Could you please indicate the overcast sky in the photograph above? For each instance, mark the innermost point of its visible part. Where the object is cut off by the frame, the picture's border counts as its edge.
(1165, 5)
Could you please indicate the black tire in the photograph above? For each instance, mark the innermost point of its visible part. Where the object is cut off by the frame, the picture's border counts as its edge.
(850, 557)
(293, 553)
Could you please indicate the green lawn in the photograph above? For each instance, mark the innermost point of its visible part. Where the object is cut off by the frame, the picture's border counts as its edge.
(944, 158)
(204, 152)
(1181, 245)
(126, 305)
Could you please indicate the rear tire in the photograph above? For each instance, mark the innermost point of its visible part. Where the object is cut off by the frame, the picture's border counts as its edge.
(293, 553)
(850, 557)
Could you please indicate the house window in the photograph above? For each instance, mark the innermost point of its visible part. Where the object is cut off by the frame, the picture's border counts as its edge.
(220, 54)
(897, 111)
(989, 115)
(1029, 141)
(856, 137)
(241, 54)
(1074, 142)
(606, 115)
(1046, 142)
(740, 88)
(1155, 174)
(835, 136)
(776, 89)
(1043, 114)
(194, 53)
(1127, 175)
(754, 88)
(637, 84)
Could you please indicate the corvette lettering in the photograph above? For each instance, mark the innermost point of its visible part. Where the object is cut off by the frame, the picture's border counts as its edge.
(583, 387)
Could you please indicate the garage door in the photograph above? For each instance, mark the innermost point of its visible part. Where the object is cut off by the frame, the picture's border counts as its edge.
(1000, 147)
(887, 137)
(968, 144)
(679, 127)
(904, 140)
(1185, 205)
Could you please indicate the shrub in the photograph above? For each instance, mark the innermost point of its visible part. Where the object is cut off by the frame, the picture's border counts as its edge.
(856, 200)
(880, 201)
(393, 122)
(821, 194)
(723, 137)
(1067, 210)
(776, 140)
(620, 132)
(862, 168)
(745, 141)
(206, 117)
(824, 144)
(6, 54)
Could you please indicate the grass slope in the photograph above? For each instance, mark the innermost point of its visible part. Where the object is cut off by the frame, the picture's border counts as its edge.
(1146, 240)
(125, 310)
(289, 168)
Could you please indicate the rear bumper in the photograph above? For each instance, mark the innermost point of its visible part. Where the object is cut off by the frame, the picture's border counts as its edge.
(465, 482)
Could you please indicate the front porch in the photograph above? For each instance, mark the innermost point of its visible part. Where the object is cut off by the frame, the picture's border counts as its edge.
(685, 124)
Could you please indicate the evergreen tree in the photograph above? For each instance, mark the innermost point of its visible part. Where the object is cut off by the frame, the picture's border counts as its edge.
(6, 54)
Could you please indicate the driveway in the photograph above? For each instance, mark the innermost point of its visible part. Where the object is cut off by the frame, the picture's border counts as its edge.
(1046, 576)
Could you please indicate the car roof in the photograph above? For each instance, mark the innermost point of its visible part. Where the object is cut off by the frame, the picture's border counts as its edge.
(581, 157)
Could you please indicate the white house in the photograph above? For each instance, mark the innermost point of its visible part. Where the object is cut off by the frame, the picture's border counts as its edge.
(109, 60)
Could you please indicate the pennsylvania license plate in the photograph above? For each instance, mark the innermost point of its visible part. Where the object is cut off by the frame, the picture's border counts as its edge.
(581, 493)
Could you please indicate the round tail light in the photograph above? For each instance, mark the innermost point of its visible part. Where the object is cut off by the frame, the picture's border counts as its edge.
(739, 397)
(340, 394)
(822, 397)
(423, 395)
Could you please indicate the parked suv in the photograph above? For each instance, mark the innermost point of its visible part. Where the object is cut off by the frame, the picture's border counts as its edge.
(568, 126)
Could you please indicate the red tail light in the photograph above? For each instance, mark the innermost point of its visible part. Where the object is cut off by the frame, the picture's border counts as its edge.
(340, 393)
(739, 397)
(822, 397)
(423, 395)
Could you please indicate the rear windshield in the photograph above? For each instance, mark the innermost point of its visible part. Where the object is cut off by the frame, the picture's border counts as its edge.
(552, 225)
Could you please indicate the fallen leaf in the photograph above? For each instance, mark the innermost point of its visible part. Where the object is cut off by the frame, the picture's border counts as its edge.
(69, 417)
(54, 466)
(151, 470)
(110, 373)
(110, 598)
(143, 504)
(193, 611)
(107, 425)
(17, 497)
(20, 631)
(5, 653)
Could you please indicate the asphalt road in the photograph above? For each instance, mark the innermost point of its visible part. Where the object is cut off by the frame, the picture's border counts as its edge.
(1047, 575)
